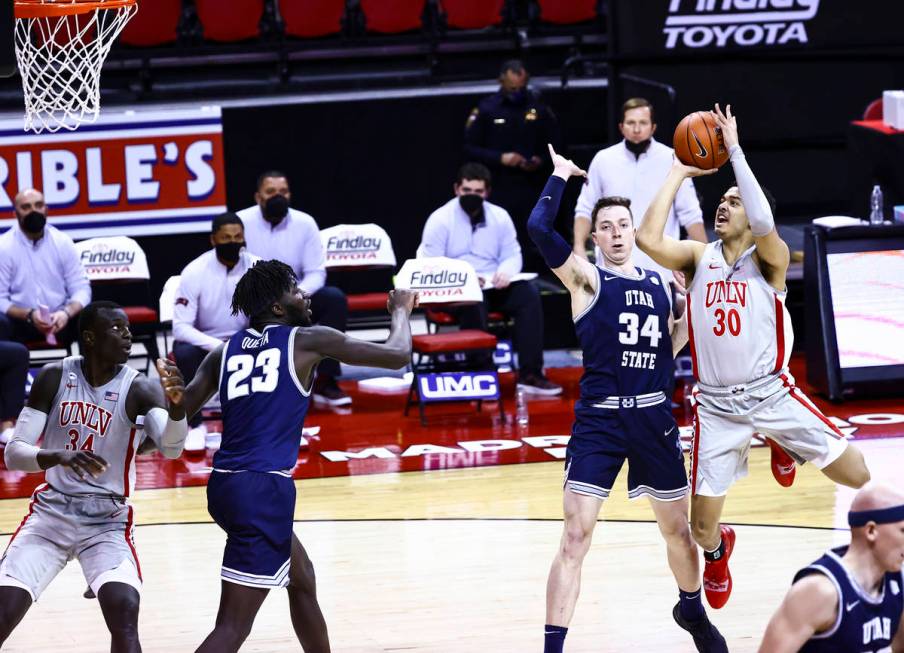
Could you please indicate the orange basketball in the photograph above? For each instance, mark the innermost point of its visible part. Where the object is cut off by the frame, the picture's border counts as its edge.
(699, 142)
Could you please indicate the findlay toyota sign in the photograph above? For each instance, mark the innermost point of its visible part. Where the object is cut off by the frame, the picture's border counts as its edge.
(717, 23)
(677, 27)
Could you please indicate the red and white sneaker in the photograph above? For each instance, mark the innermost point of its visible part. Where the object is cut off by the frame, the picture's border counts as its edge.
(716, 575)
(783, 466)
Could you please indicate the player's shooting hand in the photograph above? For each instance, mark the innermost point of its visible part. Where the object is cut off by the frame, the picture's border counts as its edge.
(690, 171)
(728, 124)
(171, 381)
(563, 167)
(82, 463)
(402, 298)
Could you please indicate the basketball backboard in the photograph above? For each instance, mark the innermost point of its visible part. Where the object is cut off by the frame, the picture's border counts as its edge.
(7, 40)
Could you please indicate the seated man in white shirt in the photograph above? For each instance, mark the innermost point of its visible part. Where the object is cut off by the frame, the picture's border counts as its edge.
(43, 284)
(202, 315)
(276, 231)
(635, 168)
(469, 228)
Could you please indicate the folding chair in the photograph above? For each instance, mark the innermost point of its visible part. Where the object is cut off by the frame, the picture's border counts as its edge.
(360, 248)
(458, 364)
(118, 270)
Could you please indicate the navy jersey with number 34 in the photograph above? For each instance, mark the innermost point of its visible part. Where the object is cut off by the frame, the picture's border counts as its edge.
(624, 334)
(264, 403)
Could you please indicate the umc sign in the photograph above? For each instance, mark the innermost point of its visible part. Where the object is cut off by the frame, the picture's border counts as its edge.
(458, 386)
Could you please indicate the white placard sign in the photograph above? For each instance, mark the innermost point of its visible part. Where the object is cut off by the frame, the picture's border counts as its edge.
(357, 245)
(112, 258)
(440, 280)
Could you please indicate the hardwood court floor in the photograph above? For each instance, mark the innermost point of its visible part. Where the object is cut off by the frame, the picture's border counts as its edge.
(456, 560)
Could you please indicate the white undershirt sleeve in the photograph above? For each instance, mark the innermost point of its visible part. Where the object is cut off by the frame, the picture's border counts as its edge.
(759, 213)
(169, 436)
(21, 453)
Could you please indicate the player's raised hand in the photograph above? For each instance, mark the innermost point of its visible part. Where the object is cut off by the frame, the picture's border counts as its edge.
(728, 124)
(171, 381)
(82, 463)
(690, 171)
(563, 167)
(402, 298)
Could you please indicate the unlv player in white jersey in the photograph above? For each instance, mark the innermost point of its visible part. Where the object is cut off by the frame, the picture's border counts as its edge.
(740, 337)
(93, 411)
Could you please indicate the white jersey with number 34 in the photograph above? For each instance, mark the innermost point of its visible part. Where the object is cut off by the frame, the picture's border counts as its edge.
(740, 330)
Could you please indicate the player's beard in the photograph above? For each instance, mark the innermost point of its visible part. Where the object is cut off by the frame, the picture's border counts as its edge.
(298, 317)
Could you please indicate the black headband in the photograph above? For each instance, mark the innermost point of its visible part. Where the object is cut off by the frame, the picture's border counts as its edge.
(857, 518)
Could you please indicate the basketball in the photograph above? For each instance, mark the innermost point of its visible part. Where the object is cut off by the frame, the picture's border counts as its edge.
(698, 141)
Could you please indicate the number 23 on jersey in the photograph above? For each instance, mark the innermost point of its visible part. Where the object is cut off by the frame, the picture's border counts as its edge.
(262, 369)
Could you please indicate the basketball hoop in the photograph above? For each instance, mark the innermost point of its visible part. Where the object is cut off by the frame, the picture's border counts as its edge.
(61, 46)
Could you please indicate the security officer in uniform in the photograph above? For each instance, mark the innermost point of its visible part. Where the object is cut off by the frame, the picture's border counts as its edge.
(508, 132)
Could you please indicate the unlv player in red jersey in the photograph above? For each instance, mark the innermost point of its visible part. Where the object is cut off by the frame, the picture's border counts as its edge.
(741, 338)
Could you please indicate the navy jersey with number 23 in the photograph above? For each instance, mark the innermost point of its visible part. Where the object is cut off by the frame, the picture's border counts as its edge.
(264, 403)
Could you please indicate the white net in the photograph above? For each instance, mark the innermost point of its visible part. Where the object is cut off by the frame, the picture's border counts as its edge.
(60, 59)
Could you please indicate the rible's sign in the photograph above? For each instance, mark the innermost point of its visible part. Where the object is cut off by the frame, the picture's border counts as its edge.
(128, 174)
(454, 386)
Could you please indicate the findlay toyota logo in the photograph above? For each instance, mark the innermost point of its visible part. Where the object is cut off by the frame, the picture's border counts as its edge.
(350, 245)
(717, 23)
(102, 253)
(437, 281)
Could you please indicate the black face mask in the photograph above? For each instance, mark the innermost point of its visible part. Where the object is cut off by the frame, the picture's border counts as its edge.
(473, 206)
(228, 252)
(275, 209)
(638, 148)
(34, 222)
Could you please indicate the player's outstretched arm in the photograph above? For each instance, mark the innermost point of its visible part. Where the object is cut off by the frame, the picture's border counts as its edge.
(572, 270)
(161, 404)
(772, 251)
(681, 255)
(810, 606)
(23, 454)
(393, 354)
(205, 383)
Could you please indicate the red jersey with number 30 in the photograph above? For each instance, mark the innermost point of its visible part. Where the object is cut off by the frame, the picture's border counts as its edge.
(740, 330)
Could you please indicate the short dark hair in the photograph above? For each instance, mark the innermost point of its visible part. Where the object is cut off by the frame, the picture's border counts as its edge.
(87, 319)
(515, 65)
(223, 219)
(266, 174)
(476, 171)
(612, 200)
(261, 286)
(637, 103)
(770, 198)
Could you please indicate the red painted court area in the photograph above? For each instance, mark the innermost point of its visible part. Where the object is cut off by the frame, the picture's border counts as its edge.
(373, 437)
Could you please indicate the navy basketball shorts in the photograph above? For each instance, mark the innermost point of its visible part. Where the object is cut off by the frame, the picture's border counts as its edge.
(603, 438)
(256, 509)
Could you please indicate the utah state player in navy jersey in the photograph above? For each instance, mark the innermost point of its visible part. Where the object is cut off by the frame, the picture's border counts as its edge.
(264, 376)
(852, 598)
(624, 320)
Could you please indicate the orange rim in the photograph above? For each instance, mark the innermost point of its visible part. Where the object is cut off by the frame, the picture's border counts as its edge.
(43, 8)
